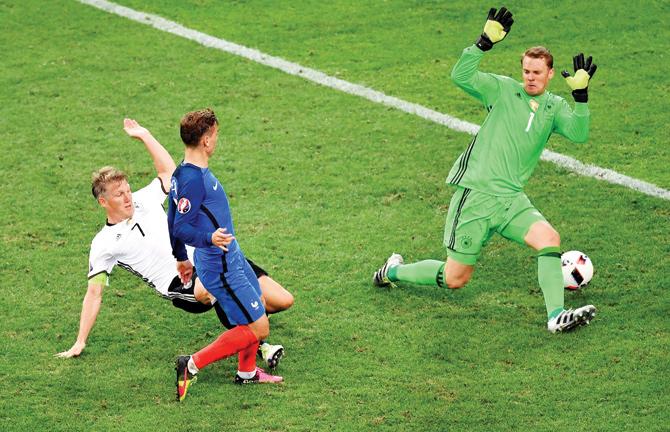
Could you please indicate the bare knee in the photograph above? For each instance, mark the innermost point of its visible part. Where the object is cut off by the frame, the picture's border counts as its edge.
(542, 235)
(456, 274)
(277, 298)
(260, 328)
(550, 237)
(285, 302)
(278, 303)
(262, 333)
(456, 282)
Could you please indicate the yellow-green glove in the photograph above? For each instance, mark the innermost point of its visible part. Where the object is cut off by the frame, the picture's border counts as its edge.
(579, 83)
(496, 28)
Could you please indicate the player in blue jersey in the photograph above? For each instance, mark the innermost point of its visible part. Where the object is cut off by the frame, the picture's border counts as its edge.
(136, 239)
(199, 216)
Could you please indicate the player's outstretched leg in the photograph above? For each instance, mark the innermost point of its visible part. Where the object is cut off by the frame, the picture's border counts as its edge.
(571, 319)
(380, 278)
(184, 377)
(426, 272)
(240, 339)
(272, 354)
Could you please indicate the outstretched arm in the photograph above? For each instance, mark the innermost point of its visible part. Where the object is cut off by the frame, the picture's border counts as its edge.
(163, 162)
(89, 312)
(465, 73)
(574, 124)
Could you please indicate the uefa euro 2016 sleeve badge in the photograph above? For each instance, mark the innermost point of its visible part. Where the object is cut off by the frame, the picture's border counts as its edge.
(183, 206)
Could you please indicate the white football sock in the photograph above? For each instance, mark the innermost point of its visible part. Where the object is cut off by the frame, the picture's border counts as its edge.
(192, 367)
(246, 375)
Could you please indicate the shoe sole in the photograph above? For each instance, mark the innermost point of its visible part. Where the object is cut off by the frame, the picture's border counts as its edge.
(240, 381)
(584, 318)
(379, 283)
(273, 361)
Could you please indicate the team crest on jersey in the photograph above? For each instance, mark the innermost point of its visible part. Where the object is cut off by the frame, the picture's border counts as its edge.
(183, 206)
(466, 242)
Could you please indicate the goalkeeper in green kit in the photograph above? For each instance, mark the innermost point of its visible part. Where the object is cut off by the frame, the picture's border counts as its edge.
(490, 174)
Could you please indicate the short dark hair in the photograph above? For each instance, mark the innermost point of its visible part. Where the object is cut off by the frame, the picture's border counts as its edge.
(196, 124)
(539, 52)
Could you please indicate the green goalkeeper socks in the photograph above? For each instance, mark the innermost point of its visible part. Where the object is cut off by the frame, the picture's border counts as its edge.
(428, 272)
(550, 277)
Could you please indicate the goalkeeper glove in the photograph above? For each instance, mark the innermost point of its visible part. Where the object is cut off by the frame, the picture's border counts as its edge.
(496, 28)
(579, 83)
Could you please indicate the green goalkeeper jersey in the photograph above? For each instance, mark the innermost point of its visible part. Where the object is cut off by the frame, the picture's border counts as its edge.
(501, 157)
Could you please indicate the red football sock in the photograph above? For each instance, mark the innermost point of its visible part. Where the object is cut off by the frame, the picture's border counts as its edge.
(230, 342)
(246, 359)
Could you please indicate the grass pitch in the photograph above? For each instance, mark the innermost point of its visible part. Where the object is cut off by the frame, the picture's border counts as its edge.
(323, 187)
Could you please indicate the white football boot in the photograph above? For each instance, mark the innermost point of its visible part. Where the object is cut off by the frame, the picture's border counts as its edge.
(570, 319)
(272, 354)
(380, 278)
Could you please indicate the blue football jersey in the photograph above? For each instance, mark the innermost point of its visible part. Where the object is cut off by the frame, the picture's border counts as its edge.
(198, 205)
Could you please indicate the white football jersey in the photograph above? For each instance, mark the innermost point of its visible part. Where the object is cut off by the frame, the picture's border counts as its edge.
(140, 244)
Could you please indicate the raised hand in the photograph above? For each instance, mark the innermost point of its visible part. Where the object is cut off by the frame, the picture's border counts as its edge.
(579, 83)
(498, 24)
(134, 130)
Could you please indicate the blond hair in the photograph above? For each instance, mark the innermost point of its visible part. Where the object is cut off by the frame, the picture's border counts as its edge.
(104, 176)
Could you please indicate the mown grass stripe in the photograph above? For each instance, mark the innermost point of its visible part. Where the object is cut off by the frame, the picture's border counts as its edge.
(321, 78)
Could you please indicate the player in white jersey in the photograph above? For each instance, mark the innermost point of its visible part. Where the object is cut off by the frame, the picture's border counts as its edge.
(137, 244)
(135, 237)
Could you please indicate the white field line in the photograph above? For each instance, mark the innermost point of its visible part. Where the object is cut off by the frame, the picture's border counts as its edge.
(315, 76)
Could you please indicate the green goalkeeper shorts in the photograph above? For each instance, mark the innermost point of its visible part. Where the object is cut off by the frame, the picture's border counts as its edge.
(474, 217)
